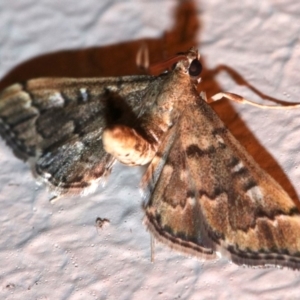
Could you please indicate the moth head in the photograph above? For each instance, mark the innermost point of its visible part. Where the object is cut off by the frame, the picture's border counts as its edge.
(185, 62)
(189, 63)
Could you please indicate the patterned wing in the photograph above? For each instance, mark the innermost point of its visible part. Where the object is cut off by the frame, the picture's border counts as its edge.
(210, 196)
(171, 215)
(58, 124)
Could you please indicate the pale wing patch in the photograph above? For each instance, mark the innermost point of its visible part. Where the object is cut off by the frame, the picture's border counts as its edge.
(219, 139)
(84, 94)
(56, 100)
(237, 168)
(255, 193)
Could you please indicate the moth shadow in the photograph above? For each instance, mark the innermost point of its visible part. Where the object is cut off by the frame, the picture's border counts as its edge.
(116, 59)
(239, 129)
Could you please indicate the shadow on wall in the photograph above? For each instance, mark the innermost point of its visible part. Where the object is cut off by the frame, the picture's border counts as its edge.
(120, 59)
(112, 60)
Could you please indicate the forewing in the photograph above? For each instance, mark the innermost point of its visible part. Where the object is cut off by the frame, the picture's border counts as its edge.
(172, 213)
(58, 124)
(212, 194)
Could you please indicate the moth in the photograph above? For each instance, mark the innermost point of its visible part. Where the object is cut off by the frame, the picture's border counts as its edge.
(204, 194)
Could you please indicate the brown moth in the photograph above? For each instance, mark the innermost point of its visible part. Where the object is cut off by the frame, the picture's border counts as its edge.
(204, 194)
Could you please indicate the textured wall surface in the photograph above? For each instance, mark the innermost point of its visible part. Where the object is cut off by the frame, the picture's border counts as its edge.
(55, 251)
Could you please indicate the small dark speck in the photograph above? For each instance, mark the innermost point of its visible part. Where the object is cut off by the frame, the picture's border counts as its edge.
(100, 222)
(10, 286)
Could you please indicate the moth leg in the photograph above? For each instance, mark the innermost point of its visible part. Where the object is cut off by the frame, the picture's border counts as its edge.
(142, 57)
(152, 241)
(240, 99)
(128, 146)
(204, 97)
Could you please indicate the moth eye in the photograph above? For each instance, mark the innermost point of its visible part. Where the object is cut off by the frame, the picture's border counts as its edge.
(195, 68)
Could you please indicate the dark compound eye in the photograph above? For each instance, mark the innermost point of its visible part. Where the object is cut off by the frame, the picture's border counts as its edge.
(195, 68)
